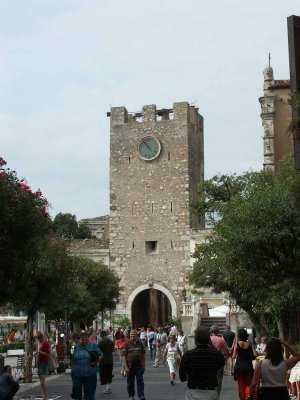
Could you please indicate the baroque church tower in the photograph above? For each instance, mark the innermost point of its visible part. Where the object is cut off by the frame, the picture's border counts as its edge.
(275, 115)
(156, 164)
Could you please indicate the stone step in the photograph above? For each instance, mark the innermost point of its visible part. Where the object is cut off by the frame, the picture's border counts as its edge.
(210, 321)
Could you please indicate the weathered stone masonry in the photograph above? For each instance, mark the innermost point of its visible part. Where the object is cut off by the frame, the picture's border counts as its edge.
(150, 216)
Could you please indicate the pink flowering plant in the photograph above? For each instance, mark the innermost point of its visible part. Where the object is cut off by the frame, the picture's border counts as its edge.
(19, 189)
(24, 223)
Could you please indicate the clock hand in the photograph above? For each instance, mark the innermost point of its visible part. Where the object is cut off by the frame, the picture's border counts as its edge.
(149, 148)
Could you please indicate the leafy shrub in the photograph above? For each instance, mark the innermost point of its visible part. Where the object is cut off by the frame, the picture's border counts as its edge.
(11, 346)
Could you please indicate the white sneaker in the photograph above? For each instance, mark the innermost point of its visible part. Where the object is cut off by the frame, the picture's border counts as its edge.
(106, 391)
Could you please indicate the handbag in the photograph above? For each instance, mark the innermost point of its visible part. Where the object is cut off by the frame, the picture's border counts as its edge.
(94, 355)
(53, 364)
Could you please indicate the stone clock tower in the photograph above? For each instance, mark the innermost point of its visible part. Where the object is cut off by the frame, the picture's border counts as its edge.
(156, 163)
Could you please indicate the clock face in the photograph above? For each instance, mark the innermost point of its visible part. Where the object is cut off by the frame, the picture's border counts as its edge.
(149, 148)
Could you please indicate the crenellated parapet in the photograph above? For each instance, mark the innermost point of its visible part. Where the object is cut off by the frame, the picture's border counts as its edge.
(181, 112)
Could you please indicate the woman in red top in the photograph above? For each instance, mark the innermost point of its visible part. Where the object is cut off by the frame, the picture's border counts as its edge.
(43, 361)
(120, 346)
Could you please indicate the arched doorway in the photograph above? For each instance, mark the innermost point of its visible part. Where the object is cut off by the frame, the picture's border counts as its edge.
(150, 306)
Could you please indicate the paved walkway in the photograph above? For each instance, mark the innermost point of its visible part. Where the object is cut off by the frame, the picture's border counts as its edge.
(157, 387)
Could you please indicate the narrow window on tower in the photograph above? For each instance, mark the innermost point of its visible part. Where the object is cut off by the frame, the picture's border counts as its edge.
(129, 159)
(152, 207)
(171, 206)
(133, 245)
(151, 247)
(169, 156)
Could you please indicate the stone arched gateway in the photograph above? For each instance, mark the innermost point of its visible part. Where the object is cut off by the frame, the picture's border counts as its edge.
(156, 162)
(150, 304)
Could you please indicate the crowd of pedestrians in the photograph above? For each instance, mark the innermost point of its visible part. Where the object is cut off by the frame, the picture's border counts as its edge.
(202, 367)
(164, 346)
(215, 354)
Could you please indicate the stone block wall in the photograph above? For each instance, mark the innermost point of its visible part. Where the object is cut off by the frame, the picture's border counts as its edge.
(150, 200)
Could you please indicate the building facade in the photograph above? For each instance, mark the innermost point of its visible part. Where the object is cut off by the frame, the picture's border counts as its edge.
(99, 226)
(275, 115)
(156, 164)
(94, 249)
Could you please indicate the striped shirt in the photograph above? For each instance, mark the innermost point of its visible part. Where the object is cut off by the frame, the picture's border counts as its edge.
(199, 367)
(134, 353)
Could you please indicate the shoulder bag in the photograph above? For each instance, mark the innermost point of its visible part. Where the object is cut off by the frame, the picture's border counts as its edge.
(94, 355)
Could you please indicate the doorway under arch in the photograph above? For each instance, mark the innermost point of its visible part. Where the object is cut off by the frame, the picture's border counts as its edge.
(150, 306)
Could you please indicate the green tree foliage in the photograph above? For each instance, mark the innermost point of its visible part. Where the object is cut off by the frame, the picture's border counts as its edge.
(41, 287)
(254, 251)
(83, 232)
(66, 226)
(24, 239)
(36, 273)
(24, 223)
(90, 288)
(122, 321)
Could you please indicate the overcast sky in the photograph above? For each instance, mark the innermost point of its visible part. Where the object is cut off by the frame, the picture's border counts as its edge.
(64, 63)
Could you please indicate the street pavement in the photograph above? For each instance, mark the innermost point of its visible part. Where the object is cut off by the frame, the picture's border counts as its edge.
(157, 386)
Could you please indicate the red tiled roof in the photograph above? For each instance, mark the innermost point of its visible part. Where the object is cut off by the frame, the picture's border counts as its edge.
(84, 244)
(101, 218)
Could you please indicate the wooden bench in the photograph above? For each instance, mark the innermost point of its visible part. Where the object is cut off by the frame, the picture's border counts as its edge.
(15, 352)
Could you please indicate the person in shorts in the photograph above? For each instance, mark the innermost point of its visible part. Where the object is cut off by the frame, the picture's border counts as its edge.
(43, 353)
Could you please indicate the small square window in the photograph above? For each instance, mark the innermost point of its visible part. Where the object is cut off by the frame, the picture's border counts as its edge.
(151, 247)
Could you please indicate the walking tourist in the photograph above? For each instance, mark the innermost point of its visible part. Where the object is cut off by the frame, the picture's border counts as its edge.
(106, 366)
(259, 345)
(199, 368)
(151, 341)
(273, 369)
(264, 344)
(53, 360)
(161, 342)
(43, 359)
(229, 337)
(8, 386)
(134, 361)
(84, 368)
(119, 345)
(245, 353)
(182, 341)
(119, 334)
(93, 335)
(110, 333)
(75, 341)
(172, 352)
(219, 344)
(143, 335)
(173, 330)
